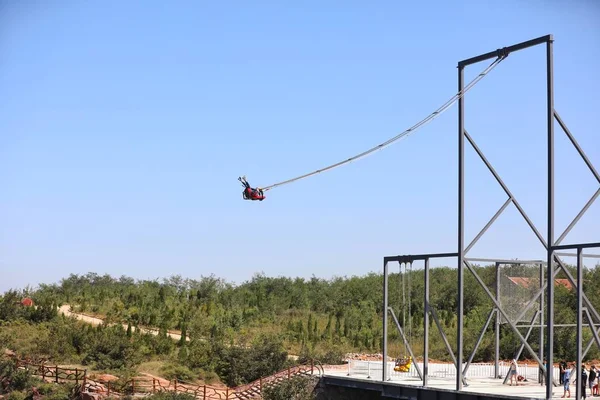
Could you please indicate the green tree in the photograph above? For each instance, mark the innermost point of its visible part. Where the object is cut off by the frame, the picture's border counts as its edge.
(296, 388)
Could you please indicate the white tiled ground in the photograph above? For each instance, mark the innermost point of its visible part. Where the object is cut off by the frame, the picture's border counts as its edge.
(479, 378)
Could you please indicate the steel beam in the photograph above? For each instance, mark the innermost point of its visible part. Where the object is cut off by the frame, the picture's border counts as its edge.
(541, 313)
(417, 257)
(585, 255)
(461, 228)
(498, 316)
(575, 246)
(550, 215)
(578, 337)
(385, 319)
(503, 261)
(426, 324)
(506, 50)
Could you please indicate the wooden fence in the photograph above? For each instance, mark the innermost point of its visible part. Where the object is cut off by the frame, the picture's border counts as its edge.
(147, 386)
(54, 373)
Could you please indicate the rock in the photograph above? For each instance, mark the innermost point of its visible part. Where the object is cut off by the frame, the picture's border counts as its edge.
(90, 396)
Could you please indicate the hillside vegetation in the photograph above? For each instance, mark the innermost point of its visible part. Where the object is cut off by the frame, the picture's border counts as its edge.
(239, 333)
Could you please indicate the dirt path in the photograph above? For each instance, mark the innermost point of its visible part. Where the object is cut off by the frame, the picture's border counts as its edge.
(66, 310)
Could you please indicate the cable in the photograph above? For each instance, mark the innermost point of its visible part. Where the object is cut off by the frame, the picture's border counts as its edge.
(430, 117)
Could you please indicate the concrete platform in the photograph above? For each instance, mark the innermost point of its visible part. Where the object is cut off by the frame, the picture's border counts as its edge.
(480, 383)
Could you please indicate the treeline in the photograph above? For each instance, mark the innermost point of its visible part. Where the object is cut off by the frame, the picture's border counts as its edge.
(40, 333)
(308, 317)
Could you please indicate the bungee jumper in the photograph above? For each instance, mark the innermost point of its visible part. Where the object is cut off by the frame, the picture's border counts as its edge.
(251, 193)
(258, 193)
(403, 364)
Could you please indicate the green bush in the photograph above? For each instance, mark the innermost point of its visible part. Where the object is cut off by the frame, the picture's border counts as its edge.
(179, 372)
(16, 396)
(297, 388)
(14, 379)
(208, 377)
(331, 356)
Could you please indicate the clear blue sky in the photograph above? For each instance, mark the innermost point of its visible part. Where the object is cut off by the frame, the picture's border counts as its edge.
(123, 129)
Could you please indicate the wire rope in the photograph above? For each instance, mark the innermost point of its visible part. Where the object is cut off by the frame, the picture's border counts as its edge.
(413, 128)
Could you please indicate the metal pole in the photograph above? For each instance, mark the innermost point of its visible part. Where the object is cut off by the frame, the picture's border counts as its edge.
(385, 320)
(497, 344)
(550, 239)
(426, 325)
(461, 220)
(541, 338)
(579, 322)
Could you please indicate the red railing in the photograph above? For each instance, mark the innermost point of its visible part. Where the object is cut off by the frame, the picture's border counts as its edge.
(254, 389)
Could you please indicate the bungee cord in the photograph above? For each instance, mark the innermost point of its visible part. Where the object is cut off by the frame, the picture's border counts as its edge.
(410, 130)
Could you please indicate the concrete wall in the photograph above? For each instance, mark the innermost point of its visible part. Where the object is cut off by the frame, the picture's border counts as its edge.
(342, 388)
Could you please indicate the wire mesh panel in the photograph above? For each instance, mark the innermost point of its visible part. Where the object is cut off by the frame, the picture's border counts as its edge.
(519, 283)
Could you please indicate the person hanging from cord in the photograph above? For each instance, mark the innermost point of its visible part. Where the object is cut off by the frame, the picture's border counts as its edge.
(249, 192)
(259, 196)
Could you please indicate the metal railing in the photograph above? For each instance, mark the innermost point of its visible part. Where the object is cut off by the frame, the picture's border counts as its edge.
(373, 370)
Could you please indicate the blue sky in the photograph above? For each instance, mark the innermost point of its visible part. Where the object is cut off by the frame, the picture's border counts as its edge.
(123, 129)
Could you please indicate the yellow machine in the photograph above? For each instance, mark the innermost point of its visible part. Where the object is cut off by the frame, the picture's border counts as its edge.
(403, 364)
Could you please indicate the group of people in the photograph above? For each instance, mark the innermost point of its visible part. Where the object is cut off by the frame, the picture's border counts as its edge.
(589, 379)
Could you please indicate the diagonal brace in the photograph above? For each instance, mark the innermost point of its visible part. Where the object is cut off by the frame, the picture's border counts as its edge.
(587, 302)
(577, 146)
(594, 333)
(405, 342)
(537, 295)
(487, 323)
(487, 226)
(506, 189)
(518, 354)
(514, 328)
(445, 339)
(578, 217)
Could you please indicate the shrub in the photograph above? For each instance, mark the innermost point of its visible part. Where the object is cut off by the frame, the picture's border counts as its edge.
(179, 372)
(209, 377)
(297, 388)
